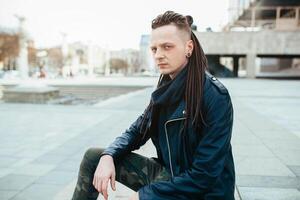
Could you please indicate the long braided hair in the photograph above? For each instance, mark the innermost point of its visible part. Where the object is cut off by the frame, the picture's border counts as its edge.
(197, 65)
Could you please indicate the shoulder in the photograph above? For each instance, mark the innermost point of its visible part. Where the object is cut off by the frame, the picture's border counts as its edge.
(215, 94)
(213, 85)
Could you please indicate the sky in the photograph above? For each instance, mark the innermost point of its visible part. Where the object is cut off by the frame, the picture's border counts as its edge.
(114, 24)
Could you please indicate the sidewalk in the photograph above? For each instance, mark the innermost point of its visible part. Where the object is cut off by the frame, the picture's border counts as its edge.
(41, 146)
(266, 138)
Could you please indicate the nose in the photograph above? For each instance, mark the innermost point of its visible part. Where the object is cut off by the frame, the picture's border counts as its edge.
(158, 54)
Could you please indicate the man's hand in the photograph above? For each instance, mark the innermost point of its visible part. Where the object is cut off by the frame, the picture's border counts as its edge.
(135, 196)
(105, 171)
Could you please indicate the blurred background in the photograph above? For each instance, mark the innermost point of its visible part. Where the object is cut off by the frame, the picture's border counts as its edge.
(63, 39)
(75, 74)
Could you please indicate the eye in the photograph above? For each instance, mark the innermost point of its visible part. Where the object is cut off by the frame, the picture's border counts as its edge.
(167, 47)
(153, 50)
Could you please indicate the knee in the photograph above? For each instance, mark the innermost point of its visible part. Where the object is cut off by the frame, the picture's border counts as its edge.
(93, 152)
(91, 156)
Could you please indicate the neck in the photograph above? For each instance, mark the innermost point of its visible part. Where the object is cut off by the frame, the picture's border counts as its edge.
(172, 76)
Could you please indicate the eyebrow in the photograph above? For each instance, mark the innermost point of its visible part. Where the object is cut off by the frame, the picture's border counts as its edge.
(162, 44)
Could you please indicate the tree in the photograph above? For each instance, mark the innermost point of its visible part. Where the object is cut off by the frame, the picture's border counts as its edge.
(118, 64)
(9, 48)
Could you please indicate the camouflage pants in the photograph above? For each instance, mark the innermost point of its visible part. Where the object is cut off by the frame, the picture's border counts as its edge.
(133, 170)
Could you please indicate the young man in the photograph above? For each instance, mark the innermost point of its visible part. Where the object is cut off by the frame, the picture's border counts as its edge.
(189, 120)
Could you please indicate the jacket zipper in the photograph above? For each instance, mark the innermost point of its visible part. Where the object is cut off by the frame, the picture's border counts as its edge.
(168, 145)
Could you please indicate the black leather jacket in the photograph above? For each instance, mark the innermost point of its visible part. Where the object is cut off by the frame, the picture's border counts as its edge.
(205, 169)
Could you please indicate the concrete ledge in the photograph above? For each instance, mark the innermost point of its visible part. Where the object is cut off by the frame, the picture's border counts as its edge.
(21, 94)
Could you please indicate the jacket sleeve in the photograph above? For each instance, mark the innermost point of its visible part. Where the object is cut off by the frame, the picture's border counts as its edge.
(208, 160)
(129, 140)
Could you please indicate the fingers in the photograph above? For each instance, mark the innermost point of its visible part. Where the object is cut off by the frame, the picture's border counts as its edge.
(101, 186)
(104, 189)
(100, 180)
(113, 182)
(97, 184)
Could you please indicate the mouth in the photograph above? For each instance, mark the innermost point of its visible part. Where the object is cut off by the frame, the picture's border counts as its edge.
(162, 64)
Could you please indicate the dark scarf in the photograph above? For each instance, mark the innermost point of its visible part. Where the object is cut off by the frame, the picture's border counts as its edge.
(170, 91)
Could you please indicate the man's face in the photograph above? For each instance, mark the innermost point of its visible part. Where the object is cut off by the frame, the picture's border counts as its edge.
(169, 47)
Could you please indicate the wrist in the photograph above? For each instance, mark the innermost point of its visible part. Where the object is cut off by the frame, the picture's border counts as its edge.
(106, 157)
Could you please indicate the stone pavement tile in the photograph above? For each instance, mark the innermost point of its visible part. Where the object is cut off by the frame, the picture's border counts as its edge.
(57, 177)
(7, 194)
(141, 99)
(276, 135)
(295, 170)
(242, 131)
(33, 169)
(242, 138)
(44, 145)
(64, 150)
(66, 191)
(48, 159)
(251, 150)
(30, 153)
(282, 144)
(238, 126)
(258, 121)
(37, 192)
(5, 171)
(12, 151)
(288, 156)
(121, 193)
(262, 167)
(77, 141)
(68, 165)
(237, 160)
(6, 161)
(296, 132)
(77, 157)
(21, 162)
(260, 124)
(268, 181)
(276, 109)
(16, 181)
(104, 133)
(256, 193)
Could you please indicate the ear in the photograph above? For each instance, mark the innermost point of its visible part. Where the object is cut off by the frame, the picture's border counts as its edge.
(189, 46)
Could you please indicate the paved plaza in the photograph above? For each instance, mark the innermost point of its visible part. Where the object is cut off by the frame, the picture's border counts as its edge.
(41, 146)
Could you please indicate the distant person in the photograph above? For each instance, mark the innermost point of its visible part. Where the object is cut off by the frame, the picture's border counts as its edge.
(189, 120)
(42, 73)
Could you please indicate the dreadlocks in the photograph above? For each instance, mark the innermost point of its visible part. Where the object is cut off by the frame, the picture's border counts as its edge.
(197, 65)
